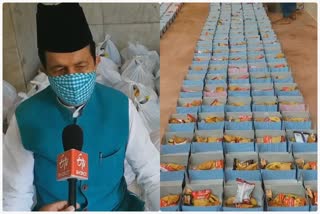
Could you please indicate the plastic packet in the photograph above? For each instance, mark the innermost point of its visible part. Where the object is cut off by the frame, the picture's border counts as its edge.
(244, 191)
(169, 167)
(244, 165)
(169, 200)
(175, 140)
(209, 165)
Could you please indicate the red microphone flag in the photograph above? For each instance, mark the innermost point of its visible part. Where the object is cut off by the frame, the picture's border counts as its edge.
(72, 164)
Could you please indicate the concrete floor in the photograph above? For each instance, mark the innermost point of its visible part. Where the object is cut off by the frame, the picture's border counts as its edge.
(299, 42)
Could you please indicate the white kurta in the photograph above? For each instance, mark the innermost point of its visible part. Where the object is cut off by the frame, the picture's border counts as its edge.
(18, 163)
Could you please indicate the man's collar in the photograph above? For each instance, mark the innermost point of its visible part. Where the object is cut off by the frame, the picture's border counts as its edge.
(74, 109)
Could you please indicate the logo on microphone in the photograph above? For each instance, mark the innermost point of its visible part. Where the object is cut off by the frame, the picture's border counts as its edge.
(72, 164)
(63, 164)
(80, 161)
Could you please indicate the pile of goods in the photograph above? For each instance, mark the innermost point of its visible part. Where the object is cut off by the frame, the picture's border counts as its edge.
(239, 101)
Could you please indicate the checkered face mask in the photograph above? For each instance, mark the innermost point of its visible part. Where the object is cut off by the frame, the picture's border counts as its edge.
(74, 89)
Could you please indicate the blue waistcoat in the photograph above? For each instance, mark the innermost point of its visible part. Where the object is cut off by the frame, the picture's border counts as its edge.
(105, 123)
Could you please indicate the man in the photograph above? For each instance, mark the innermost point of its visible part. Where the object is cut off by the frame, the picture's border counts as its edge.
(288, 12)
(112, 129)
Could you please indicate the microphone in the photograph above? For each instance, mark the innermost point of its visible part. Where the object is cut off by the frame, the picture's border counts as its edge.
(72, 164)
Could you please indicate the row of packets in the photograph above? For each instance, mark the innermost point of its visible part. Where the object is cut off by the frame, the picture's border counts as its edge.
(239, 141)
(269, 195)
(244, 89)
(272, 168)
(239, 121)
(196, 104)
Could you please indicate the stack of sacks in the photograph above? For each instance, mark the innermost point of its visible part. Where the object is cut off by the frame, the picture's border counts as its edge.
(133, 72)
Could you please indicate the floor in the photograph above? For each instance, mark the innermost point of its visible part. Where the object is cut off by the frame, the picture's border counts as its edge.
(299, 42)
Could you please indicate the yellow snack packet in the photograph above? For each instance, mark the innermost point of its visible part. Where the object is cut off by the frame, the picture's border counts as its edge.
(237, 104)
(268, 119)
(295, 119)
(213, 119)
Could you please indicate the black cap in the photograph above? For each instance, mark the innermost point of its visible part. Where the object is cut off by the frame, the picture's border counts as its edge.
(62, 28)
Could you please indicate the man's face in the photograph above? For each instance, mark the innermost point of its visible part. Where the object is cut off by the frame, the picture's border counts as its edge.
(80, 61)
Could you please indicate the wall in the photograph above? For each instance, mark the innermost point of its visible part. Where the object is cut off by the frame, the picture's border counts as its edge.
(19, 44)
(127, 22)
(124, 22)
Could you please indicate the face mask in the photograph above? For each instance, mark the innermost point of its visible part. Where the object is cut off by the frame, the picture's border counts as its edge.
(74, 89)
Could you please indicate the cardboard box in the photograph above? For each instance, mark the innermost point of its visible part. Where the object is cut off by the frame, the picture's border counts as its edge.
(306, 156)
(206, 104)
(238, 50)
(210, 90)
(239, 93)
(216, 78)
(193, 82)
(300, 147)
(239, 147)
(210, 126)
(231, 190)
(287, 186)
(237, 68)
(194, 77)
(171, 188)
(239, 78)
(210, 146)
(282, 77)
(270, 147)
(278, 87)
(274, 67)
(258, 67)
(219, 60)
(181, 127)
(257, 107)
(174, 149)
(221, 54)
(202, 58)
(253, 50)
(198, 158)
(216, 69)
(237, 58)
(241, 156)
(194, 72)
(181, 159)
(198, 67)
(262, 89)
(214, 186)
(256, 58)
(260, 77)
(231, 177)
(313, 185)
(274, 45)
(267, 125)
(238, 125)
(299, 106)
(181, 109)
(245, 108)
(271, 59)
(203, 49)
(188, 91)
(296, 125)
(200, 63)
(278, 174)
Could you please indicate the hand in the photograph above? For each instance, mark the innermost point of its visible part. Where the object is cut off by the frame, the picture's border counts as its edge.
(59, 206)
